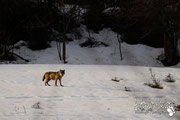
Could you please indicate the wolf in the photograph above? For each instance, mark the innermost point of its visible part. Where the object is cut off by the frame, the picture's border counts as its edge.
(53, 76)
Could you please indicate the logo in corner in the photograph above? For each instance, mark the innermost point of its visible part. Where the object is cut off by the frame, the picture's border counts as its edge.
(171, 110)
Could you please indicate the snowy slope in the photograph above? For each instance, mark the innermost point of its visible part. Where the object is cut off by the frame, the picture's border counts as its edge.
(136, 55)
(89, 92)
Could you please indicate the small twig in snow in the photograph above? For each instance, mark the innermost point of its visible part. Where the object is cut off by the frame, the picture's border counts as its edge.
(115, 79)
(169, 78)
(127, 89)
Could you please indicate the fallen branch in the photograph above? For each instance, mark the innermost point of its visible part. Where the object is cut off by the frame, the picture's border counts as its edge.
(92, 43)
(14, 54)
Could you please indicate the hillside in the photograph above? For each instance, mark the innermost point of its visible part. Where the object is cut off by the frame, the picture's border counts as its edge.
(136, 55)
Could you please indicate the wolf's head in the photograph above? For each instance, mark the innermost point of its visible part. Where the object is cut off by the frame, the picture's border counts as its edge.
(62, 72)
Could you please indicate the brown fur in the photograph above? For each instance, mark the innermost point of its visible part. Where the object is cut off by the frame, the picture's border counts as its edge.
(53, 76)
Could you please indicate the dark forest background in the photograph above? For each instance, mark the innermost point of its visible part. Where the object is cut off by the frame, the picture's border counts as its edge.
(154, 23)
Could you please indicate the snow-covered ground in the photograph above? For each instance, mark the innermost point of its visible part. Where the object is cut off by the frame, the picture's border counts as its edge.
(88, 92)
(136, 55)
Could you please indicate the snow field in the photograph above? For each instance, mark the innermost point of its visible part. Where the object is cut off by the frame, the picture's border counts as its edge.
(89, 92)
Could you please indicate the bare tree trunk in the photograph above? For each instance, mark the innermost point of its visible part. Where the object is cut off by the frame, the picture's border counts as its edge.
(66, 19)
(119, 41)
(59, 49)
(64, 48)
(66, 25)
(170, 38)
(170, 48)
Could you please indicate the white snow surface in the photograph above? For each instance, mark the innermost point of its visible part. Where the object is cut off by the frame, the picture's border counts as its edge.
(135, 55)
(88, 92)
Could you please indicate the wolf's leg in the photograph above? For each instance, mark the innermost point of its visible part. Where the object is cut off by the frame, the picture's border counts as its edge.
(46, 82)
(55, 82)
(60, 83)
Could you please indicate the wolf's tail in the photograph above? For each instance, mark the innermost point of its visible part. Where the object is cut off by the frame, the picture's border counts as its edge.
(43, 78)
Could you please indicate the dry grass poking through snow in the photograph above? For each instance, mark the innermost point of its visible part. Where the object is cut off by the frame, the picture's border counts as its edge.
(169, 78)
(156, 83)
